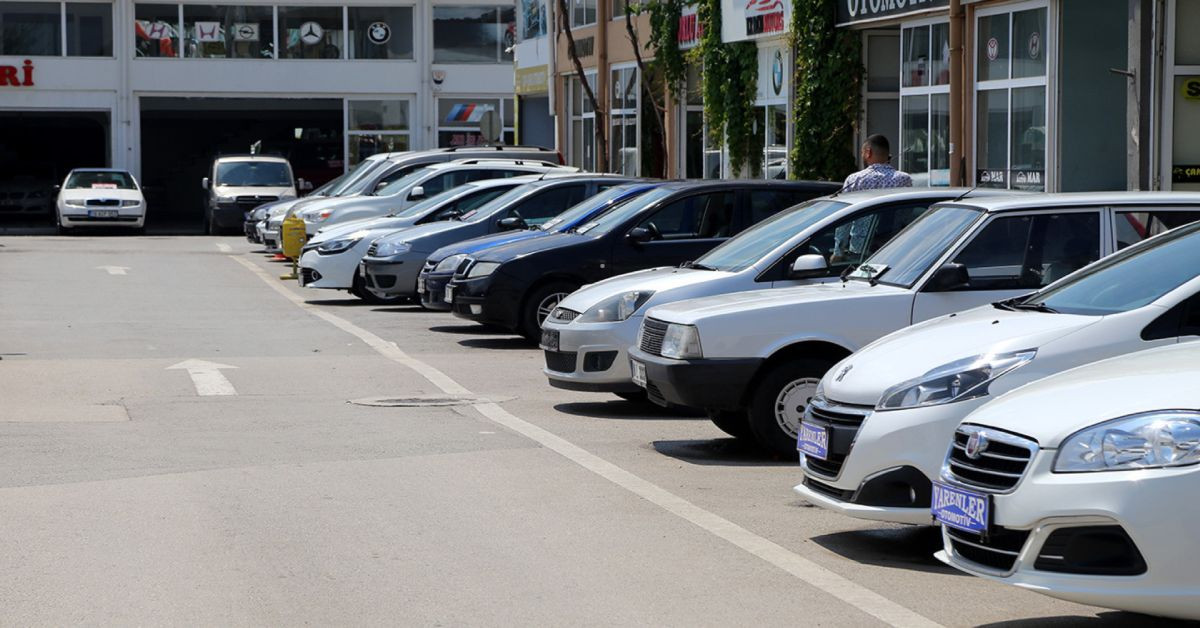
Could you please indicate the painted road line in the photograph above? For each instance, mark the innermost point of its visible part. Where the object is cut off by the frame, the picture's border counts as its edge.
(207, 377)
(224, 248)
(113, 270)
(811, 573)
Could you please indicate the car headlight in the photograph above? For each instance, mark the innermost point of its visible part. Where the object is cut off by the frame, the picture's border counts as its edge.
(1151, 440)
(321, 216)
(449, 264)
(957, 381)
(388, 248)
(681, 342)
(482, 269)
(226, 199)
(331, 247)
(616, 308)
(130, 203)
(75, 203)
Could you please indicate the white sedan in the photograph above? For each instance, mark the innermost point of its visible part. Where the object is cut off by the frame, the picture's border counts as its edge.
(100, 197)
(1082, 486)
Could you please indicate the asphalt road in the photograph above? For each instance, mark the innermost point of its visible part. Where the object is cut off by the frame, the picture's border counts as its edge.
(282, 495)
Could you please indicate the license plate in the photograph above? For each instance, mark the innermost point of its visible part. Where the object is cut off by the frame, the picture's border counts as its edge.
(958, 508)
(549, 340)
(449, 296)
(639, 372)
(102, 213)
(813, 441)
(420, 285)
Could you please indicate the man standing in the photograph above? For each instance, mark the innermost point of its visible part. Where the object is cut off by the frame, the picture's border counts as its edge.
(876, 153)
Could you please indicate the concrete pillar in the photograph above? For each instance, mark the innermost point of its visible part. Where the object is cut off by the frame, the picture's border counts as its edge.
(958, 83)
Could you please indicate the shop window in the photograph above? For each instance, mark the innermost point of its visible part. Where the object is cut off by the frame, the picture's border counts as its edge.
(228, 32)
(381, 32)
(31, 28)
(376, 126)
(1187, 45)
(89, 29)
(310, 33)
(459, 118)
(618, 8)
(881, 57)
(583, 13)
(156, 30)
(775, 146)
(533, 19)
(473, 34)
(924, 148)
(363, 145)
(582, 144)
(623, 118)
(1011, 100)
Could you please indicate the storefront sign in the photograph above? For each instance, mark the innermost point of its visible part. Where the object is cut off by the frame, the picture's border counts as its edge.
(245, 31)
(991, 178)
(690, 28)
(772, 74)
(1190, 88)
(777, 72)
(208, 32)
(17, 76)
(585, 46)
(1185, 174)
(753, 19)
(379, 33)
(1028, 179)
(311, 33)
(532, 80)
(852, 11)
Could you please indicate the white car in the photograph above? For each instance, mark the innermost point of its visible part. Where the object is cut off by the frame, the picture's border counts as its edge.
(100, 196)
(909, 390)
(238, 183)
(603, 318)
(331, 258)
(754, 359)
(1082, 486)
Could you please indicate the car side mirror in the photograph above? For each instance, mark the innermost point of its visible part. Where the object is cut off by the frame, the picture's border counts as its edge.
(809, 266)
(204, 183)
(416, 193)
(949, 277)
(512, 222)
(57, 187)
(639, 235)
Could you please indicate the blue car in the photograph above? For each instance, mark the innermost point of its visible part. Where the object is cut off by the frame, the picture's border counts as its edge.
(440, 266)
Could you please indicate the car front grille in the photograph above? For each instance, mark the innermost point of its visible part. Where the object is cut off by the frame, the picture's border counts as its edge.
(561, 361)
(563, 315)
(103, 202)
(371, 250)
(998, 550)
(653, 332)
(998, 464)
(842, 421)
(255, 201)
(655, 395)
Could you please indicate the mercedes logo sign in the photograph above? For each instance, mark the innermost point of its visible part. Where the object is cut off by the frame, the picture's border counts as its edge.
(311, 33)
(379, 33)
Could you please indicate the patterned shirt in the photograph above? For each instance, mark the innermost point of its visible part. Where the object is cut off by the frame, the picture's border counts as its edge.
(877, 177)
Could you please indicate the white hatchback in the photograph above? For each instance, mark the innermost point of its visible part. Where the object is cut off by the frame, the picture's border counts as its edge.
(91, 197)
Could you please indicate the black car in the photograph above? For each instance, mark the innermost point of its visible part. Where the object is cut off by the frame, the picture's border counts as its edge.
(516, 285)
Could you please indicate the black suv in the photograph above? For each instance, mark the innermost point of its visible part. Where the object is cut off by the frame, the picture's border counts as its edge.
(516, 285)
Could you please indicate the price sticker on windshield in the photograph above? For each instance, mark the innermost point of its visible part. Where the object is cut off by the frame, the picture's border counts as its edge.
(869, 271)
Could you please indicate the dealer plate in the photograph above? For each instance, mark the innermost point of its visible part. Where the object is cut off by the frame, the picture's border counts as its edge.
(102, 213)
(549, 340)
(420, 285)
(448, 297)
(962, 509)
(639, 372)
(813, 441)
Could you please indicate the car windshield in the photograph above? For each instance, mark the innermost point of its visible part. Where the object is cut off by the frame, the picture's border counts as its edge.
(1128, 280)
(403, 183)
(353, 181)
(254, 174)
(100, 180)
(750, 246)
(433, 202)
(903, 260)
(483, 211)
(617, 217)
(326, 190)
(602, 202)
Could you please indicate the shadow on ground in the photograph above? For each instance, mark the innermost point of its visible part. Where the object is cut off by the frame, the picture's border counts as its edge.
(1107, 619)
(614, 408)
(473, 330)
(904, 547)
(505, 343)
(730, 452)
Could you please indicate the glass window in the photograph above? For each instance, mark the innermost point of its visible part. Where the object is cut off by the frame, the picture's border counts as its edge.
(458, 121)
(883, 56)
(991, 129)
(939, 139)
(254, 174)
(908, 256)
(751, 245)
(1028, 47)
(365, 145)
(583, 12)
(156, 30)
(623, 136)
(381, 32)
(310, 33)
(228, 32)
(1187, 45)
(1017, 252)
(378, 115)
(1135, 226)
(939, 54)
(992, 41)
(533, 19)
(89, 30)
(699, 216)
(473, 34)
(582, 144)
(775, 145)
(618, 8)
(914, 70)
(914, 141)
(31, 28)
(1028, 138)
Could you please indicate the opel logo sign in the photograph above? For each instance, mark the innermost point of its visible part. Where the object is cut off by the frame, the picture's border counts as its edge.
(976, 445)
(842, 373)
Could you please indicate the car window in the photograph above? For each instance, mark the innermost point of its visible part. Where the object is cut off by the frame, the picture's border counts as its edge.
(767, 203)
(910, 254)
(100, 181)
(400, 173)
(440, 183)
(468, 203)
(402, 183)
(548, 203)
(1017, 252)
(1134, 226)
(849, 242)
(698, 216)
(749, 246)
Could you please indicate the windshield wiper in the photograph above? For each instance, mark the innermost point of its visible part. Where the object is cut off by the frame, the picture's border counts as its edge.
(696, 265)
(1006, 305)
(1035, 307)
(874, 279)
(845, 276)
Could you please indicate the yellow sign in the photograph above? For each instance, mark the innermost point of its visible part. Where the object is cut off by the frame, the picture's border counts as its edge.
(532, 80)
(1190, 88)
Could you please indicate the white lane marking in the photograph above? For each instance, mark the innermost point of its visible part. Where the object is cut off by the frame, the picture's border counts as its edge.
(806, 570)
(113, 270)
(224, 248)
(207, 377)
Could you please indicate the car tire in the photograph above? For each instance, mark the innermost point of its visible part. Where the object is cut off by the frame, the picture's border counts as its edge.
(779, 401)
(360, 290)
(538, 305)
(736, 424)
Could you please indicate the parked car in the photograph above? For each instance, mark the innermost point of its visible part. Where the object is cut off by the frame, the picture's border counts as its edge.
(393, 262)
(1081, 486)
(866, 440)
(257, 215)
(596, 324)
(440, 266)
(239, 183)
(754, 359)
(515, 286)
(332, 259)
(25, 195)
(100, 196)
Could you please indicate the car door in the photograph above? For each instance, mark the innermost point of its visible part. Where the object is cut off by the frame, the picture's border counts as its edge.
(680, 230)
(1014, 254)
(543, 205)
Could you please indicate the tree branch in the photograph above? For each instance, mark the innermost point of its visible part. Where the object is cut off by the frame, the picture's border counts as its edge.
(601, 144)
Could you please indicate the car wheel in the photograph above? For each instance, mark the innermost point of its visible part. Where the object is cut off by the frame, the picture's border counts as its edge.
(538, 306)
(780, 400)
(638, 397)
(736, 424)
(360, 290)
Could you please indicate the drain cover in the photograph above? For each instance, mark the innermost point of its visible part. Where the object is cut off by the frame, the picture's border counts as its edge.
(419, 401)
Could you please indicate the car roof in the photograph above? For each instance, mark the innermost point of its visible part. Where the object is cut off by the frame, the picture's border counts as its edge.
(274, 158)
(1018, 202)
(121, 170)
(707, 184)
(917, 194)
(490, 163)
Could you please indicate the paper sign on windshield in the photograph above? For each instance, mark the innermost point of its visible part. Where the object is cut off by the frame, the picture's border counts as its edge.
(104, 186)
(868, 271)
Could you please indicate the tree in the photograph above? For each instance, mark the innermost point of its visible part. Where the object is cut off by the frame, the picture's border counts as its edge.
(601, 143)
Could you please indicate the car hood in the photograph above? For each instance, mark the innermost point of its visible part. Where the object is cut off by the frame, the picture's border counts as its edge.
(916, 350)
(1051, 409)
(413, 234)
(653, 279)
(88, 193)
(342, 229)
(522, 248)
(234, 190)
(692, 311)
(475, 245)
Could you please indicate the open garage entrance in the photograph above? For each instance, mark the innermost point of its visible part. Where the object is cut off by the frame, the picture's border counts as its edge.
(181, 137)
(37, 150)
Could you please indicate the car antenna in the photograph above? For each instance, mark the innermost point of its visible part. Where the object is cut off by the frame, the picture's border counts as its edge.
(964, 194)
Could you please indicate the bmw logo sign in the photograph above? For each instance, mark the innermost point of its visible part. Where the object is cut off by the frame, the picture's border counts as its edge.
(777, 72)
(379, 33)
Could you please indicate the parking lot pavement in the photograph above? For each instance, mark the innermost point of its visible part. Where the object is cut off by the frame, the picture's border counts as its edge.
(359, 464)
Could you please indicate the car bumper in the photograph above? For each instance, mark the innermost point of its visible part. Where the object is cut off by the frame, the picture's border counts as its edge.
(478, 300)
(331, 271)
(432, 289)
(591, 357)
(270, 238)
(228, 216)
(718, 384)
(394, 278)
(135, 221)
(1153, 507)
